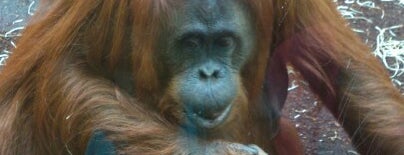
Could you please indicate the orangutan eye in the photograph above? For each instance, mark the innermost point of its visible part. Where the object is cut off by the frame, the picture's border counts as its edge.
(225, 42)
(191, 43)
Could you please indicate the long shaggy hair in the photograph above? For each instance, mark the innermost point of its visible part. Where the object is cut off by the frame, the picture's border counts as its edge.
(58, 86)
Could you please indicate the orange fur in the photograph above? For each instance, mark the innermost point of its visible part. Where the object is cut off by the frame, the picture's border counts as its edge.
(58, 85)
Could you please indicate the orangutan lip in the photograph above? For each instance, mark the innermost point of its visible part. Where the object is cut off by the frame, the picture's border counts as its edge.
(209, 124)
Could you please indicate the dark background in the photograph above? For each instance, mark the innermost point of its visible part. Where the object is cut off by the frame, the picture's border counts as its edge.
(380, 23)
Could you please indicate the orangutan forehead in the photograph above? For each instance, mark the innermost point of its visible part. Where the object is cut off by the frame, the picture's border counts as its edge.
(210, 16)
(211, 11)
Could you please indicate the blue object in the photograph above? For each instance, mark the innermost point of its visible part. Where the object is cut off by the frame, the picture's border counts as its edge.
(100, 145)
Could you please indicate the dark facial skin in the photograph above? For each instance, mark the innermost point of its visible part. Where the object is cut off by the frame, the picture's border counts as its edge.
(209, 43)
